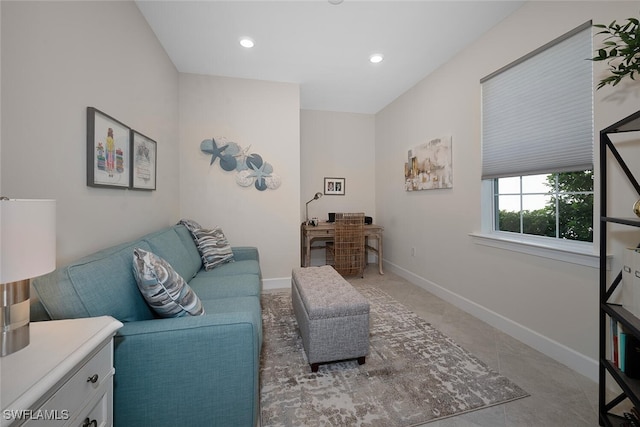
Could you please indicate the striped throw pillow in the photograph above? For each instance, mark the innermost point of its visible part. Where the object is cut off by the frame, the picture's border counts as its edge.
(213, 246)
(164, 290)
(190, 224)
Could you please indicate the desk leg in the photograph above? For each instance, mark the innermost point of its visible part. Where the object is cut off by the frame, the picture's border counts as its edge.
(302, 245)
(307, 252)
(380, 254)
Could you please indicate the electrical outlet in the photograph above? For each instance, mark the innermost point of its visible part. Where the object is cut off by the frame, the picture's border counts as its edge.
(413, 251)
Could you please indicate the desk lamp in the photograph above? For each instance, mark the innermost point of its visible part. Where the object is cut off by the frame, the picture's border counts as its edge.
(27, 250)
(315, 197)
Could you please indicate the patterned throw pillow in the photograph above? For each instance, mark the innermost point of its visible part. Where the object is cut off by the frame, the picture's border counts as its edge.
(213, 246)
(190, 224)
(164, 290)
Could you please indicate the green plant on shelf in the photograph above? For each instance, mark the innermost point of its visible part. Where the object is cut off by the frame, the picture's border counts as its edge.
(621, 50)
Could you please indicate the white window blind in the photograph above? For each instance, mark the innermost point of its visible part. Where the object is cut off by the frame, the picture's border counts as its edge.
(537, 113)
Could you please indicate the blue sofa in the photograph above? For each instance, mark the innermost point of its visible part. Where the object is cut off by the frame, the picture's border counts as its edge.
(194, 370)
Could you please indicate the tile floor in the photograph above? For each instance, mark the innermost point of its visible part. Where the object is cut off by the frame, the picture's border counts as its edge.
(559, 396)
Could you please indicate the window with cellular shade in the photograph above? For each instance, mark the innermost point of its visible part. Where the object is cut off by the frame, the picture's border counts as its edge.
(537, 113)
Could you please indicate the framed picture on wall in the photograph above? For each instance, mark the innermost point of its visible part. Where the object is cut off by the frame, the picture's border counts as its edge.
(108, 159)
(334, 186)
(143, 162)
(429, 166)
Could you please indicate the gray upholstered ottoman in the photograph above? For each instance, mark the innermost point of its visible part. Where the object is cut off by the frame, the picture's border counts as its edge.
(332, 316)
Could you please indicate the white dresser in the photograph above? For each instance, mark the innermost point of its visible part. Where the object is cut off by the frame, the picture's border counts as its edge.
(64, 377)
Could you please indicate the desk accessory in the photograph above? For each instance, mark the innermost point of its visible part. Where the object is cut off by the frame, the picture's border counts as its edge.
(315, 197)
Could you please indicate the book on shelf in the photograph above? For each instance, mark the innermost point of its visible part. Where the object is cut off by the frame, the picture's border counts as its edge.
(630, 420)
(622, 352)
(632, 357)
(614, 342)
(625, 350)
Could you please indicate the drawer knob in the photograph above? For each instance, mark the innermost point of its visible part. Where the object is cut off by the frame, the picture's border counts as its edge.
(89, 423)
(93, 379)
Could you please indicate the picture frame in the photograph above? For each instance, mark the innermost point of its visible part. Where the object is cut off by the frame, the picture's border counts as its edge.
(108, 151)
(144, 162)
(429, 165)
(334, 186)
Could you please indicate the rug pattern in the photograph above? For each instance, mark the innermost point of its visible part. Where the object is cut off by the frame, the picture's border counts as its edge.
(413, 373)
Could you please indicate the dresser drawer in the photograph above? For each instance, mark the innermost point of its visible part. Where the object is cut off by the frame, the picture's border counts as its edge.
(99, 415)
(81, 388)
(45, 384)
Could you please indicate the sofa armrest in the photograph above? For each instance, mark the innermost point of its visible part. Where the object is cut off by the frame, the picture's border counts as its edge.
(241, 253)
(188, 371)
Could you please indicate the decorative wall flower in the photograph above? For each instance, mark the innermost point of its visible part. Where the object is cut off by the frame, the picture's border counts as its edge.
(241, 157)
(260, 173)
(244, 178)
(227, 161)
(251, 168)
(273, 181)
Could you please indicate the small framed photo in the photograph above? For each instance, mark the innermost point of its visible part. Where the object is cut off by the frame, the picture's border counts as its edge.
(334, 186)
(143, 162)
(108, 151)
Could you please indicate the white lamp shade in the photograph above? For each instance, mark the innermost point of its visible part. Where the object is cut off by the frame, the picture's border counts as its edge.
(27, 239)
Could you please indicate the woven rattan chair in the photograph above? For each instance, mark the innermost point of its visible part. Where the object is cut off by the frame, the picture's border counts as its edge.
(347, 252)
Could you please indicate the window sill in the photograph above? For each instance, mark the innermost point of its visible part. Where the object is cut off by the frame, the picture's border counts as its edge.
(572, 252)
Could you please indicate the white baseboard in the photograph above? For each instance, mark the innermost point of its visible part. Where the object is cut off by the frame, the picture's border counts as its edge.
(578, 362)
(277, 283)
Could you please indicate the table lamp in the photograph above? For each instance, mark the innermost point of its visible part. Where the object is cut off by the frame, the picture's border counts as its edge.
(27, 250)
(315, 197)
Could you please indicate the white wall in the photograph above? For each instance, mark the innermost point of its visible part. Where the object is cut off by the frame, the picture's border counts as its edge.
(550, 304)
(0, 123)
(0, 103)
(265, 116)
(336, 145)
(57, 59)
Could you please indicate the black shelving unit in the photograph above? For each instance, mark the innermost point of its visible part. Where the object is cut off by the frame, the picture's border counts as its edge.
(630, 387)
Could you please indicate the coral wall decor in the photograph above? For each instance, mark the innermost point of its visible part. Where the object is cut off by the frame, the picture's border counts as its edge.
(250, 168)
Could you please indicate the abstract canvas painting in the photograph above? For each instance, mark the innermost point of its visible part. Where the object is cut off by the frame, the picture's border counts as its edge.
(429, 166)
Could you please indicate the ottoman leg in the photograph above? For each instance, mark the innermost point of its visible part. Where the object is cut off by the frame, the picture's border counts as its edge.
(314, 366)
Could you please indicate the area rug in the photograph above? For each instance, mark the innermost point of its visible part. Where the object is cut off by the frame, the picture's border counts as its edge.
(413, 373)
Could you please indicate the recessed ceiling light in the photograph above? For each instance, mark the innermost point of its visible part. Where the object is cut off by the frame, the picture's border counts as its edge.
(335, 1)
(376, 58)
(247, 42)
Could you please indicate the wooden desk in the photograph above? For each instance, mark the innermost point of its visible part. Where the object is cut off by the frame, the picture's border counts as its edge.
(327, 230)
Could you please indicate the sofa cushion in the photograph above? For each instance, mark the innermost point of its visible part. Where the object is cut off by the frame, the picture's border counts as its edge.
(213, 246)
(249, 266)
(170, 246)
(240, 285)
(163, 288)
(232, 306)
(241, 253)
(190, 245)
(97, 285)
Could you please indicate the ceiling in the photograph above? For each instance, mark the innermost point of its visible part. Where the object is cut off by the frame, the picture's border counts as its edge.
(325, 48)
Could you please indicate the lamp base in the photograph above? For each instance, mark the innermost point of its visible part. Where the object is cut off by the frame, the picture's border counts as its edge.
(14, 316)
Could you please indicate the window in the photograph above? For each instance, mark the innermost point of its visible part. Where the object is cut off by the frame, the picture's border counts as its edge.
(557, 205)
(537, 145)
(537, 114)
